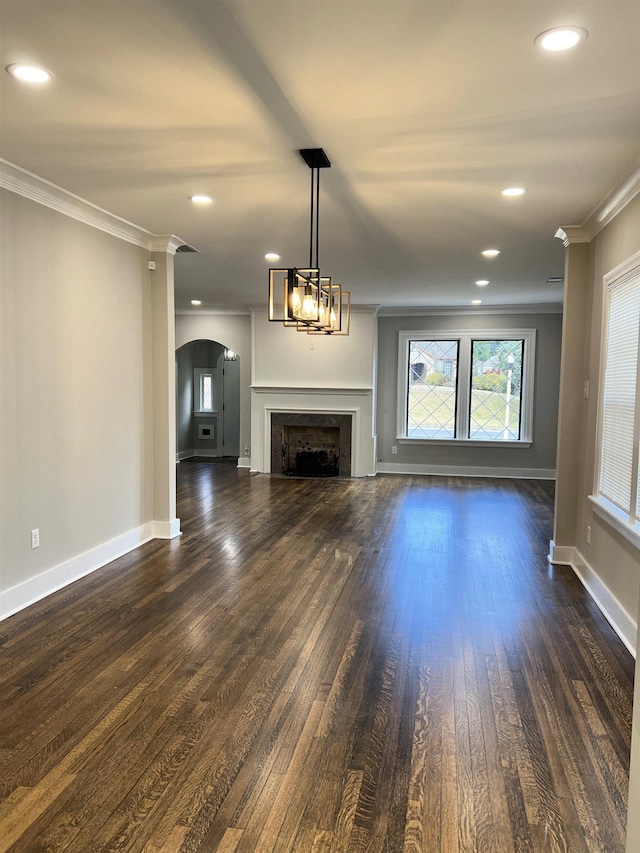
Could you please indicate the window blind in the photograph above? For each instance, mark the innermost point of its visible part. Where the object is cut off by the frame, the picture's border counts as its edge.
(618, 479)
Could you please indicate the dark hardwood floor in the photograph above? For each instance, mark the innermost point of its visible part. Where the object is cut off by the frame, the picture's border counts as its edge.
(386, 664)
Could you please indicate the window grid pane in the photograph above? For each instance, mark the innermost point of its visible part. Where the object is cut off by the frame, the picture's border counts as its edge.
(496, 385)
(432, 389)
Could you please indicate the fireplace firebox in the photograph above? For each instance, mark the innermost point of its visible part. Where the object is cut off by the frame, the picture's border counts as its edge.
(311, 445)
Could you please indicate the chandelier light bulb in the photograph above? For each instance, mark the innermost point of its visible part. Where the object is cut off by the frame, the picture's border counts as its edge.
(308, 311)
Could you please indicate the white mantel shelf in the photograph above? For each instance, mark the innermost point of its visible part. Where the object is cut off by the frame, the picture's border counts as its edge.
(288, 389)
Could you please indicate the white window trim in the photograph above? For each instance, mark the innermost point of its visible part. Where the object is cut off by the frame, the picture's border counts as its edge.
(626, 525)
(528, 336)
(456, 442)
(616, 518)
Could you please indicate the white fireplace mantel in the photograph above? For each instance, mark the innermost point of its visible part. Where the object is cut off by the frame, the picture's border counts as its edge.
(357, 402)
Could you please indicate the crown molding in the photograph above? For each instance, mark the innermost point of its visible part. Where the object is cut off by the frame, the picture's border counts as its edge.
(168, 243)
(199, 312)
(625, 191)
(572, 234)
(627, 188)
(426, 311)
(37, 189)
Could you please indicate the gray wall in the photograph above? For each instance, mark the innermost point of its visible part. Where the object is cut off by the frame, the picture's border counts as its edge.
(541, 454)
(184, 398)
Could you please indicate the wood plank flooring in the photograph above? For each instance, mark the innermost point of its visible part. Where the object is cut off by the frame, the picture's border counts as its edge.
(321, 666)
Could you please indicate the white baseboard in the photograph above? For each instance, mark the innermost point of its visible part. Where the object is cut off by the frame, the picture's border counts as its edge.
(34, 589)
(184, 454)
(561, 555)
(243, 461)
(465, 471)
(166, 529)
(622, 623)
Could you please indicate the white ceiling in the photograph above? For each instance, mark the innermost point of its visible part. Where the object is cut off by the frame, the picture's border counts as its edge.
(427, 109)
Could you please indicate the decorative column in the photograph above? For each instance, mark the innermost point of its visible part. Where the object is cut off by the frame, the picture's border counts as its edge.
(573, 372)
(163, 369)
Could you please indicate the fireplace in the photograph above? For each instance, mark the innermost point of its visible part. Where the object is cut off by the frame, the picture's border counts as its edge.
(311, 444)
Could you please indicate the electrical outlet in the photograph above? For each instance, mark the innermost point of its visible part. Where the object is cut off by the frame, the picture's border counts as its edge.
(35, 538)
(247, 450)
(394, 449)
(585, 389)
(588, 534)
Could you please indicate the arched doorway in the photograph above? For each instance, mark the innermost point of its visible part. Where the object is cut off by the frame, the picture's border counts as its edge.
(207, 401)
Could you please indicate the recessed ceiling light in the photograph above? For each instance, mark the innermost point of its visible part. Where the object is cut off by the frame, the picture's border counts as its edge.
(561, 38)
(200, 199)
(476, 301)
(196, 302)
(482, 282)
(491, 253)
(272, 256)
(29, 73)
(513, 191)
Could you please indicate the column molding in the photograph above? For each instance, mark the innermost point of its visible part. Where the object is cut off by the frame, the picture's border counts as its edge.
(166, 524)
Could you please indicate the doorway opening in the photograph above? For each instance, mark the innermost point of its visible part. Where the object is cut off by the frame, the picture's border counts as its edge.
(207, 401)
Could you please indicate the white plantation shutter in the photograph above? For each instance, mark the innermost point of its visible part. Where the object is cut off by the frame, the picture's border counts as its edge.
(619, 476)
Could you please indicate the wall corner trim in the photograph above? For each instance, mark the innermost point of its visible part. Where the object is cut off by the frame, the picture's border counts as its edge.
(622, 623)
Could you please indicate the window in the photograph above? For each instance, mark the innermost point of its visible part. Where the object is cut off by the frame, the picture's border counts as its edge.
(466, 386)
(206, 392)
(204, 389)
(618, 483)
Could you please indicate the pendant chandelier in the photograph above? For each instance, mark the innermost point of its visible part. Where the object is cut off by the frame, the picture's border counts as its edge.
(302, 298)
